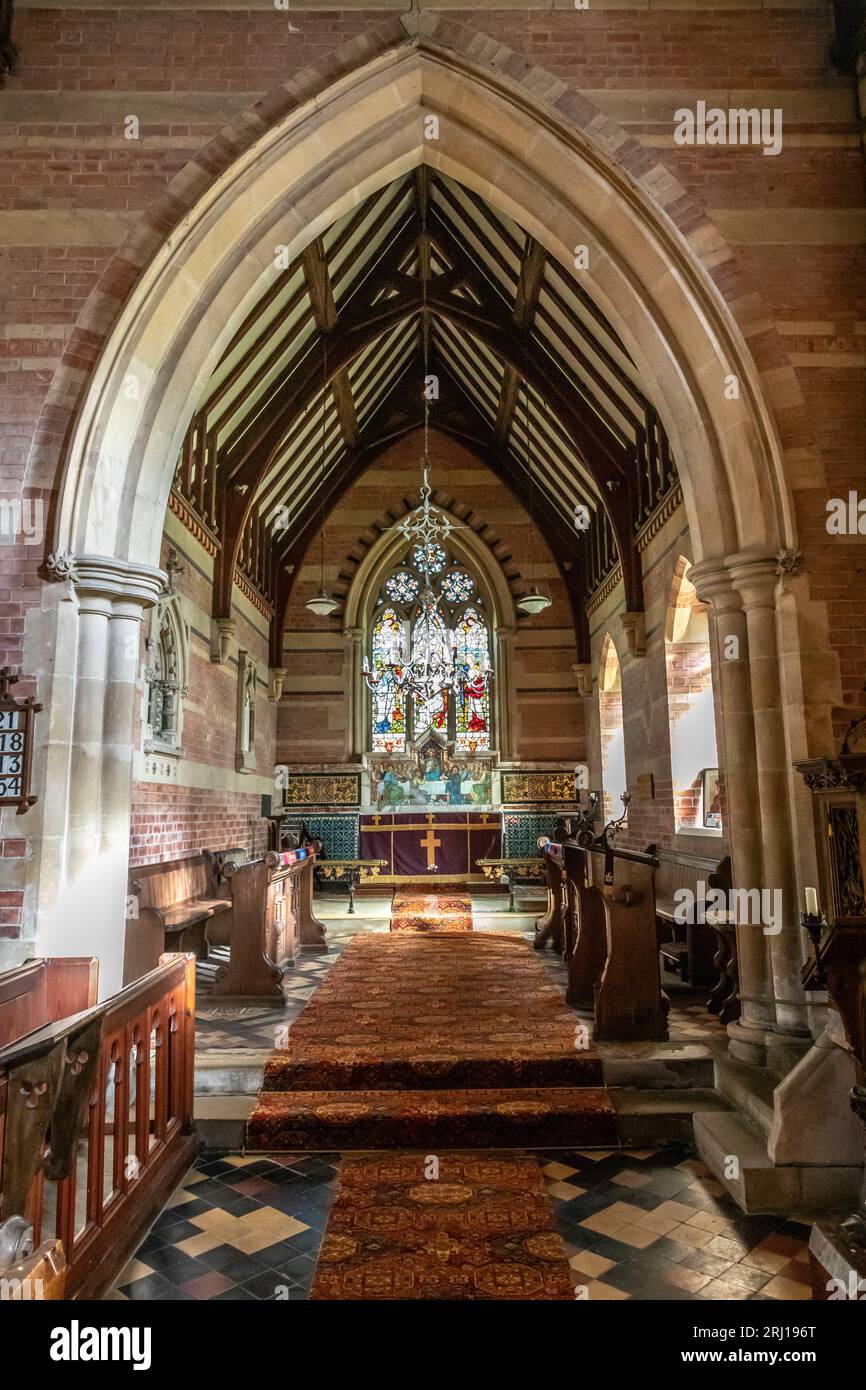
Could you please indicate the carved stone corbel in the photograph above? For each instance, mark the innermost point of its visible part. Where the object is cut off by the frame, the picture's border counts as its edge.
(634, 631)
(278, 676)
(583, 676)
(221, 633)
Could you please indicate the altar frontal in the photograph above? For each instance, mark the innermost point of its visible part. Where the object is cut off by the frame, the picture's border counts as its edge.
(435, 846)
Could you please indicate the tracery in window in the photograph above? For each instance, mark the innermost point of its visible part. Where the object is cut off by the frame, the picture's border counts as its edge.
(404, 624)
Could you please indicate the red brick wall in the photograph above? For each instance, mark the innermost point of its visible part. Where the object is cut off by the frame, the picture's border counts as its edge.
(175, 822)
(169, 821)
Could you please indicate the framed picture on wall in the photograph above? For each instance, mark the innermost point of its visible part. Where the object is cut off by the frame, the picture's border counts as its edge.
(712, 798)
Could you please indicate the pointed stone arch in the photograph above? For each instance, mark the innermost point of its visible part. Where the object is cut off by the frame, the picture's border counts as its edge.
(176, 292)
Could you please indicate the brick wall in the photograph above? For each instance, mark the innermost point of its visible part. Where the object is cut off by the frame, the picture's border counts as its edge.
(211, 805)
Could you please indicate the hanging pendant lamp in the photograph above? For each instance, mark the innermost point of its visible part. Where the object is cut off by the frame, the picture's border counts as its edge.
(535, 601)
(323, 605)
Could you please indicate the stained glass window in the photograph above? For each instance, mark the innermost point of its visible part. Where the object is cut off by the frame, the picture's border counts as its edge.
(473, 700)
(389, 715)
(429, 634)
(429, 559)
(402, 587)
(457, 586)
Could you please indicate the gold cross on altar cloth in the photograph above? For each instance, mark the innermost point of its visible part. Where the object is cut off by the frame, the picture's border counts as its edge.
(431, 843)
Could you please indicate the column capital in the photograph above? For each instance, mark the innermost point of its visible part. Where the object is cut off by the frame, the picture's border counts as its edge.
(116, 585)
(755, 574)
(353, 634)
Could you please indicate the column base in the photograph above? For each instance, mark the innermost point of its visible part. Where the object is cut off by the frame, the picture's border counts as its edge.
(785, 1050)
(747, 1043)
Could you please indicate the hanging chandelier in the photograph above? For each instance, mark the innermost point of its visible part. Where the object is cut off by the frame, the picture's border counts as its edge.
(534, 601)
(426, 664)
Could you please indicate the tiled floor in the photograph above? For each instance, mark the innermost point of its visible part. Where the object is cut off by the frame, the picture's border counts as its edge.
(636, 1225)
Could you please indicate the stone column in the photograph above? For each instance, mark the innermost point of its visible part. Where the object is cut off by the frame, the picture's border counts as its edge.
(83, 900)
(505, 692)
(754, 575)
(355, 689)
(735, 735)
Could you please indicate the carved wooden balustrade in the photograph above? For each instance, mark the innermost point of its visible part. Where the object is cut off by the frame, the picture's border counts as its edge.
(96, 1124)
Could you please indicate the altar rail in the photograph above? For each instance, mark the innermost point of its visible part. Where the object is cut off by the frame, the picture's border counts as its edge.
(96, 1118)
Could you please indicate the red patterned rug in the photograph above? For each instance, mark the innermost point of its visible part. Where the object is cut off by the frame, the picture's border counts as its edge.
(449, 909)
(480, 1228)
(424, 1012)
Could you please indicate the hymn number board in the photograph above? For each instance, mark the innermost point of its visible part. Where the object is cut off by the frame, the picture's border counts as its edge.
(16, 742)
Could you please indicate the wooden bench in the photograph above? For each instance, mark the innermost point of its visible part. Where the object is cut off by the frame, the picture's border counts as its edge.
(688, 948)
(170, 906)
(273, 919)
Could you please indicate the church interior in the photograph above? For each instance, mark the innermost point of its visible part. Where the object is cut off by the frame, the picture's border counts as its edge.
(433, 703)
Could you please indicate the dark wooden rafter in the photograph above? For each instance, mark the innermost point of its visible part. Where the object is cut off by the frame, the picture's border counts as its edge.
(430, 256)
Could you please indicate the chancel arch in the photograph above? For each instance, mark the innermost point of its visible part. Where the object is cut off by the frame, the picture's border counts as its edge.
(308, 157)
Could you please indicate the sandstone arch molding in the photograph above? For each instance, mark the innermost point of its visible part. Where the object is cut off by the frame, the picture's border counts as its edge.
(328, 139)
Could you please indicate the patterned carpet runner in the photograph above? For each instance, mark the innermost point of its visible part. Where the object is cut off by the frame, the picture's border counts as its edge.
(458, 1041)
(416, 909)
(479, 1228)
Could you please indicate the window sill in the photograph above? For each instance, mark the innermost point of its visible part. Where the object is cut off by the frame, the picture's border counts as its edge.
(704, 832)
(153, 747)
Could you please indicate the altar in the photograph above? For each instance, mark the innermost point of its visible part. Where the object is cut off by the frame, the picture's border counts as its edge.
(431, 845)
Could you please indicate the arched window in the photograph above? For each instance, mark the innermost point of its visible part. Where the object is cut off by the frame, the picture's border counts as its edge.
(449, 620)
(691, 718)
(613, 775)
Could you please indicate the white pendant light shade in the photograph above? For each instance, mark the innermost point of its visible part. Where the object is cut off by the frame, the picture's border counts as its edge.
(322, 605)
(533, 602)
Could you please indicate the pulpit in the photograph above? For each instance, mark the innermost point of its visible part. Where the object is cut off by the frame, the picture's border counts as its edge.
(838, 785)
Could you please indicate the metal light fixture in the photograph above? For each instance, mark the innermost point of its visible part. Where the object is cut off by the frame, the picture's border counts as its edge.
(426, 665)
(323, 605)
(535, 601)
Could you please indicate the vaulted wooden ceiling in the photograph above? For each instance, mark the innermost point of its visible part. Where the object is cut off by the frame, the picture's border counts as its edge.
(328, 369)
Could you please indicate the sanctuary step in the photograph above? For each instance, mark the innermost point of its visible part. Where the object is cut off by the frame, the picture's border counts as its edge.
(324, 1069)
(533, 1118)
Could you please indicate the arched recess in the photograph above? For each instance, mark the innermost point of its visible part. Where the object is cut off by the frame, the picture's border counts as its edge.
(498, 601)
(691, 709)
(611, 730)
(171, 300)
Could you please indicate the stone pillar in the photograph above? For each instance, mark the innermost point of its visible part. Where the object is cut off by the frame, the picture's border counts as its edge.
(754, 576)
(505, 693)
(355, 690)
(735, 736)
(81, 892)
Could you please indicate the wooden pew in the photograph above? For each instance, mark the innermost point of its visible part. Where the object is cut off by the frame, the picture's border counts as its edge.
(171, 905)
(44, 990)
(688, 948)
(218, 931)
(614, 960)
(585, 929)
(272, 920)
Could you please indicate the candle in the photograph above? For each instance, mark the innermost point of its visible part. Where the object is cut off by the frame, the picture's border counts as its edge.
(812, 902)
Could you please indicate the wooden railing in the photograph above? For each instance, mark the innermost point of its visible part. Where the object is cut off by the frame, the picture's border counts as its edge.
(96, 1122)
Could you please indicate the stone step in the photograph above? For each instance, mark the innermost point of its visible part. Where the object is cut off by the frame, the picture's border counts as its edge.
(736, 1152)
(648, 1117)
(532, 1118)
(749, 1090)
(657, 1065)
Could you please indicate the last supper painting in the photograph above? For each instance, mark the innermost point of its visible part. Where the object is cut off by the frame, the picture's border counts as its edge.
(433, 685)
